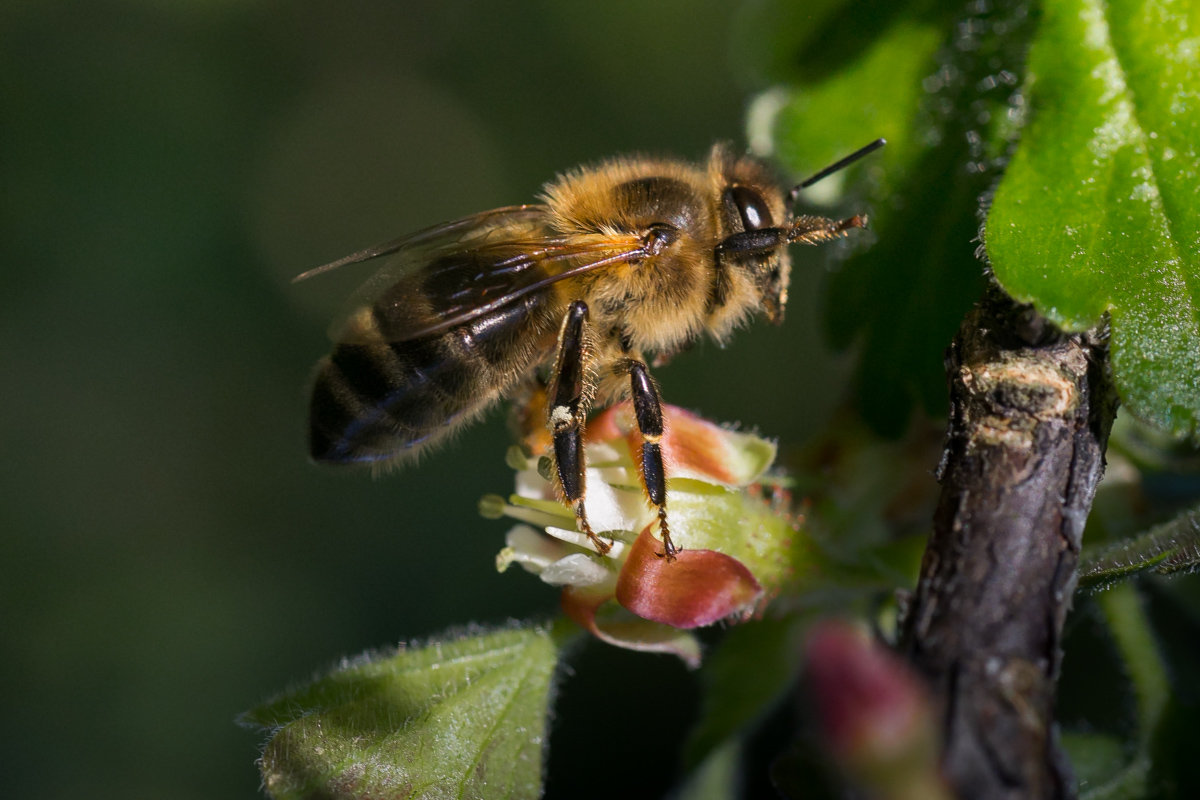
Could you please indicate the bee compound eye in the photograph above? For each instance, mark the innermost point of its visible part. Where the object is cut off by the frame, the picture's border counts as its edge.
(749, 206)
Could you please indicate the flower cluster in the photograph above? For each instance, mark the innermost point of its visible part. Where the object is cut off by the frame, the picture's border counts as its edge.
(740, 543)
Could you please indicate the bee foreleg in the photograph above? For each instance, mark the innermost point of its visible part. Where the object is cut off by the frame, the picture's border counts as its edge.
(647, 408)
(803, 230)
(762, 241)
(570, 393)
(814, 230)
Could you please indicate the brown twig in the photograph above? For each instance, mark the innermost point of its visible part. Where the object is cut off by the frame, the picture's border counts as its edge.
(1031, 409)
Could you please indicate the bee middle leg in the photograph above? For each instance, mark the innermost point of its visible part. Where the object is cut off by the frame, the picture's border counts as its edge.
(570, 393)
(647, 409)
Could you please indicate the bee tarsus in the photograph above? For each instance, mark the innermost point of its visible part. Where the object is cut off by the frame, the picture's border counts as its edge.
(647, 409)
(814, 230)
(670, 549)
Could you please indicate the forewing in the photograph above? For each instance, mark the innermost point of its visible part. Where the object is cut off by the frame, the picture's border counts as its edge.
(426, 291)
(412, 255)
(443, 236)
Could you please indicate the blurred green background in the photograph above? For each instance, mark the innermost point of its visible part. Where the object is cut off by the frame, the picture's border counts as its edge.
(170, 556)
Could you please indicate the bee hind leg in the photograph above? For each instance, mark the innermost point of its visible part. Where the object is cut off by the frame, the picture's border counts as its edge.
(570, 394)
(647, 408)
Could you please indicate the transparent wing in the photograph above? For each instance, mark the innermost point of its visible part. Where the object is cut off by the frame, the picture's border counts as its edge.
(457, 273)
(456, 233)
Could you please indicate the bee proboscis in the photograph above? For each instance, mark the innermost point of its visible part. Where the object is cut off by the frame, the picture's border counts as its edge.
(562, 299)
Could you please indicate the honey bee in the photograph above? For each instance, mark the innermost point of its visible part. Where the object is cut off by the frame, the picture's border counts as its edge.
(561, 300)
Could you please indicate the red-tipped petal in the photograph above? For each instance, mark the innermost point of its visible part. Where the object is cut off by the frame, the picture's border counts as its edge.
(696, 445)
(583, 605)
(692, 446)
(697, 588)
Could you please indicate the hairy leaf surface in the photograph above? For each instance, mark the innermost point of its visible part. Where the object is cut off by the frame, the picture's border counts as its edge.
(464, 717)
(1099, 210)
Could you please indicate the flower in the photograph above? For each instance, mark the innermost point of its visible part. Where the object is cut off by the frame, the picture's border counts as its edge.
(874, 715)
(740, 543)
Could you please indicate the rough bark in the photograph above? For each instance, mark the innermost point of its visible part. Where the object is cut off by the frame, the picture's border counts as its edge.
(1031, 410)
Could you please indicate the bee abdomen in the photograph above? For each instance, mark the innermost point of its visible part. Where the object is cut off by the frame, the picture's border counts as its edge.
(373, 402)
(381, 401)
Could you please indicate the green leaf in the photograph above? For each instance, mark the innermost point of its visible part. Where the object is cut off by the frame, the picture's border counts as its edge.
(1131, 632)
(1170, 548)
(1097, 760)
(1134, 638)
(1100, 208)
(743, 678)
(463, 717)
(718, 777)
(876, 95)
(773, 38)
(938, 87)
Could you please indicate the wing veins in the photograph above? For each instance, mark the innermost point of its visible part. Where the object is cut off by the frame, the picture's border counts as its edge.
(523, 261)
(424, 236)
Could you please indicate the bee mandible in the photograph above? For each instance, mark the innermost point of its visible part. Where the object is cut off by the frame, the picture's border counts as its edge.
(635, 257)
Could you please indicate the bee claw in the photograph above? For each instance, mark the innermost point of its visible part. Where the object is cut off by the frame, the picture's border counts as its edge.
(581, 521)
(670, 550)
(599, 544)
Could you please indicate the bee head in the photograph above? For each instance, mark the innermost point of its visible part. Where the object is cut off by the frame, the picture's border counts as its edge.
(757, 224)
(750, 199)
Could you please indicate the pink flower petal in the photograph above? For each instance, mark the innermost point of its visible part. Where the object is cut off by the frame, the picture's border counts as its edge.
(698, 588)
(692, 446)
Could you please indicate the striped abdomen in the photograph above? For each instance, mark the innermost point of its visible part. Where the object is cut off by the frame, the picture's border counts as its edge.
(375, 400)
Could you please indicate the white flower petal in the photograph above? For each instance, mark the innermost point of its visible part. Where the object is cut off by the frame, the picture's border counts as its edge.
(615, 508)
(581, 540)
(530, 548)
(532, 485)
(577, 569)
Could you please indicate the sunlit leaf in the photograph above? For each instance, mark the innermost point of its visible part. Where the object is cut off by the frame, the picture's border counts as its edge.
(463, 717)
(877, 95)
(1100, 208)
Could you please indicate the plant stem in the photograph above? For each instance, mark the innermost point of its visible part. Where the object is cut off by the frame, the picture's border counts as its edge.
(1130, 628)
(1131, 632)
(1031, 409)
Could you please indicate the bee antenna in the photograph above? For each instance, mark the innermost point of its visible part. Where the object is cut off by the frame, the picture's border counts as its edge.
(834, 167)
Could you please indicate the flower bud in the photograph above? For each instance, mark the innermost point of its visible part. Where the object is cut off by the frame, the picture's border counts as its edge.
(873, 714)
